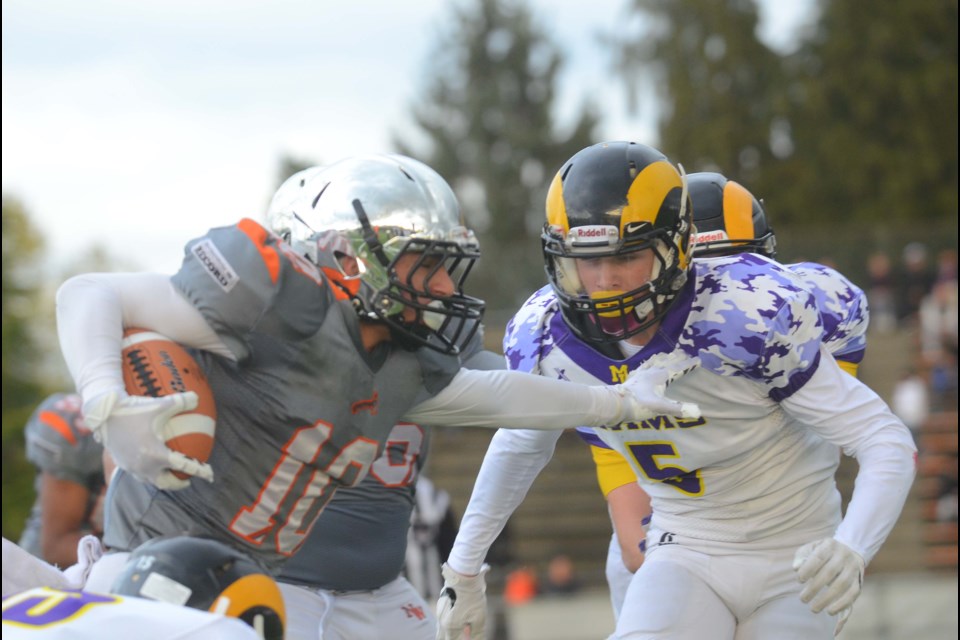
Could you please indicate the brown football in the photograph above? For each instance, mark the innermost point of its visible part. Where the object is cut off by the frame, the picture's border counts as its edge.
(154, 365)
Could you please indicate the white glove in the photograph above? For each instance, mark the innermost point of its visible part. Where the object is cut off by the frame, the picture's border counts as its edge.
(89, 550)
(643, 390)
(462, 607)
(131, 427)
(833, 575)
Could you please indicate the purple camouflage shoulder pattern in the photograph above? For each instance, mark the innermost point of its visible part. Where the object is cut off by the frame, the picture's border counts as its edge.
(526, 341)
(843, 309)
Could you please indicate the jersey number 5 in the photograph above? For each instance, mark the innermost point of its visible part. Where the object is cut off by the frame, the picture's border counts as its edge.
(648, 455)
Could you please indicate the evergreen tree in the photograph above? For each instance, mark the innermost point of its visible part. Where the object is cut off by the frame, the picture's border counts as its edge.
(22, 391)
(850, 141)
(487, 125)
(875, 114)
(717, 83)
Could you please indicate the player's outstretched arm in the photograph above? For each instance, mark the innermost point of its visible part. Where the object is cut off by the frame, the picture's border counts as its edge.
(513, 399)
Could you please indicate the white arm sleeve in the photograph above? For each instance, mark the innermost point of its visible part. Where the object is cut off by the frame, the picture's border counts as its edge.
(518, 400)
(848, 413)
(513, 461)
(94, 309)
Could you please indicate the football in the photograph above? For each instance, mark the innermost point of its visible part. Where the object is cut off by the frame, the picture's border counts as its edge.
(154, 365)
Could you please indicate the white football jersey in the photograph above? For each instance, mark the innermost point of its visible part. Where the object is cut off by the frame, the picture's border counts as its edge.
(748, 470)
(79, 615)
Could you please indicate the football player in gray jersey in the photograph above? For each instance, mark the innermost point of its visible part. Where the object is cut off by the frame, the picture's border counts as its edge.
(346, 580)
(69, 484)
(311, 367)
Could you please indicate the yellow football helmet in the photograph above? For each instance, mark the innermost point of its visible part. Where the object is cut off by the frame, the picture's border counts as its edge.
(611, 199)
(208, 575)
(728, 218)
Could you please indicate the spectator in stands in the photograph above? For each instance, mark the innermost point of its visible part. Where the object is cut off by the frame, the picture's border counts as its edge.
(561, 578)
(911, 401)
(521, 586)
(914, 283)
(433, 528)
(947, 496)
(938, 332)
(883, 316)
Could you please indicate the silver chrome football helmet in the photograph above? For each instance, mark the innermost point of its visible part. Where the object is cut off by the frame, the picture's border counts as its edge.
(376, 209)
(289, 191)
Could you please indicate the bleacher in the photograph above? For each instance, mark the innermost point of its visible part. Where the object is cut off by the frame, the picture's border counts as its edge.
(937, 460)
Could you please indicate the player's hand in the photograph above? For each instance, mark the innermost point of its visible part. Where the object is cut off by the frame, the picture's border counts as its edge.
(462, 607)
(832, 575)
(643, 391)
(131, 427)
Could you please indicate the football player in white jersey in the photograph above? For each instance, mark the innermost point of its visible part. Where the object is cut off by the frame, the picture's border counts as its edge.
(173, 588)
(311, 368)
(746, 539)
(728, 220)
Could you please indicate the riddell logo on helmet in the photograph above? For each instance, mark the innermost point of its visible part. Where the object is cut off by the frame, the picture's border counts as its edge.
(592, 232)
(710, 236)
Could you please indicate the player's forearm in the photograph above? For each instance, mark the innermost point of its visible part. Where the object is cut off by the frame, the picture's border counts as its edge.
(512, 463)
(61, 549)
(887, 470)
(518, 400)
(629, 511)
(90, 329)
(93, 309)
(847, 413)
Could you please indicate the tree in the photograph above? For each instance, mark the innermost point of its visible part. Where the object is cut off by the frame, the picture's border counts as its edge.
(22, 390)
(488, 127)
(851, 140)
(717, 83)
(875, 113)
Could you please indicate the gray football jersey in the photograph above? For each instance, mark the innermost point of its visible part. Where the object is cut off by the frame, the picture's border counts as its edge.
(359, 543)
(304, 409)
(59, 443)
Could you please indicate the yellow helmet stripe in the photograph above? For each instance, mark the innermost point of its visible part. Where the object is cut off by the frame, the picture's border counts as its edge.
(556, 207)
(250, 591)
(738, 212)
(648, 191)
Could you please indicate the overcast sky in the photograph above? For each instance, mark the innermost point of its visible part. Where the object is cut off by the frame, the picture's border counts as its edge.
(141, 124)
